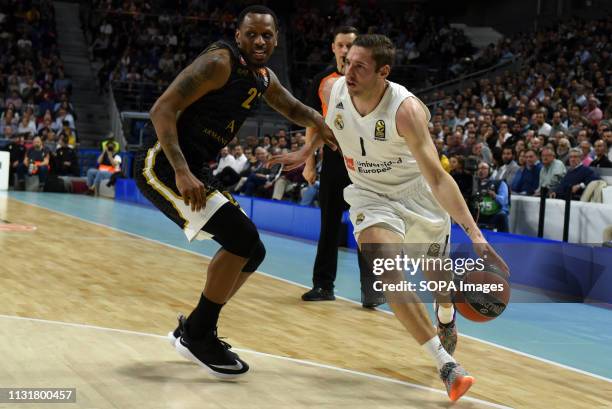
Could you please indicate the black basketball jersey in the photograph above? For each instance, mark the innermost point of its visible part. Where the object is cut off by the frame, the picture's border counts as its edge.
(212, 121)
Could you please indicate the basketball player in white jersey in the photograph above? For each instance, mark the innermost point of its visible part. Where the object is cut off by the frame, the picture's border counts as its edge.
(399, 193)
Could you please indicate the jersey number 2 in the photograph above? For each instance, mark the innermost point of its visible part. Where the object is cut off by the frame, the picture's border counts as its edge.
(247, 102)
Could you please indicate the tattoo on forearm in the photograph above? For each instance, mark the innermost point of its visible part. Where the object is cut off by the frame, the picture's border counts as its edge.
(466, 229)
(188, 81)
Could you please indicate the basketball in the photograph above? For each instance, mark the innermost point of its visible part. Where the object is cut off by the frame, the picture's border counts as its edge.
(482, 295)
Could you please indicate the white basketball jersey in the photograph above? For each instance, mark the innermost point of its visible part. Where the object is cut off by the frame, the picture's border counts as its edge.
(376, 156)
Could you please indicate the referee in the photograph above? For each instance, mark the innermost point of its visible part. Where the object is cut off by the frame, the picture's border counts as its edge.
(334, 178)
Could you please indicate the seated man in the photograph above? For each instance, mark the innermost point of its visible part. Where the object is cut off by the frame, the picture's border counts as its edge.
(552, 171)
(36, 162)
(508, 169)
(601, 155)
(226, 160)
(230, 175)
(576, 179)
(17, 151)
(527, 179)
(66, 161)
(261, 175)
(108, 163)
(492, 198)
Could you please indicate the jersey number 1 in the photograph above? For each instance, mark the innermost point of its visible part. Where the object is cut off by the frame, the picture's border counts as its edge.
(247, 102)
(363, 152)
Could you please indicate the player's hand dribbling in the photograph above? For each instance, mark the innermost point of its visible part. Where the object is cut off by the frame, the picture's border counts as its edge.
(192, 190)
(490, 256)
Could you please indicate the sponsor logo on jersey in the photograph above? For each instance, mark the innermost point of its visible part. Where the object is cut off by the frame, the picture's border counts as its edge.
(360, 217)
(350, 163)
(339, 122)
(369, 167)
(379, 130)
(340, 106)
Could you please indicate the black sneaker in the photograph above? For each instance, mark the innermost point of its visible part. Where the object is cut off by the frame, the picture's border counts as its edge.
(318, 294)
(213, 355)
(180, 328)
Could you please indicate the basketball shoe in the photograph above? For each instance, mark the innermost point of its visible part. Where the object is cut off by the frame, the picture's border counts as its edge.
(456, 379)
(180, 328)
(211, 354)
(447, 332)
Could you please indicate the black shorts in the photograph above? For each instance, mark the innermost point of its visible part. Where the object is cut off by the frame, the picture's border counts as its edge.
(156, 181)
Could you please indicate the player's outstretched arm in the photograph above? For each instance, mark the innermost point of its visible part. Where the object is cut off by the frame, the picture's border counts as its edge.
(206, 73)
(280, 99)
(411, 122)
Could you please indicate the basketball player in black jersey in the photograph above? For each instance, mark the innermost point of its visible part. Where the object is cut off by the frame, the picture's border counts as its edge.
(200, 113)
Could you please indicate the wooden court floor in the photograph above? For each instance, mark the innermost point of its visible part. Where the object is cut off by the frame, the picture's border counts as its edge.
(76, 272)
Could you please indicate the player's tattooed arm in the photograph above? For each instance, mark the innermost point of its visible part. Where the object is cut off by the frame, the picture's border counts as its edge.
(280, 99)
(206, 73)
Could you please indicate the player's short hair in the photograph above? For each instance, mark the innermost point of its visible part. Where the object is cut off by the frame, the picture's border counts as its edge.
(383, 51)
(257, 9)
(345, 30)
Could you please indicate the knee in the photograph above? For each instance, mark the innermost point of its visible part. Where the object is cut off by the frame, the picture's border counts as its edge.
(244, 240)
(257, 256)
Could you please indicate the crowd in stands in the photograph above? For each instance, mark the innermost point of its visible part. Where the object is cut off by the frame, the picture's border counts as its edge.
(420, 39)
(37, 120)
(549, 126)
(143, 45)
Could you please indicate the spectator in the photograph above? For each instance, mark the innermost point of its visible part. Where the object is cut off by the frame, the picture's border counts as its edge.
(261, 175)
(576, 179)
(592, 112)
(553, 170)
(541, 125)
(64, 115)
(226, 160)
(290, 181)
(527, 179)
(109, 162)
(601, 155)
(68, 134)
(508, 170)
(17, 151)
(585, 147)
(27, 128)
(443, 159)
(36, 162)
(492, 199)
(462, 178)
(563, 148)
(66, 162)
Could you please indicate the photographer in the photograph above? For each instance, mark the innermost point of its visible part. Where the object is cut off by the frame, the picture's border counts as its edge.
(108, 163)
(492, 199)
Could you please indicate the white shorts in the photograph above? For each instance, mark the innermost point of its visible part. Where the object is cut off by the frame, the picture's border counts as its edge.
(413, 213)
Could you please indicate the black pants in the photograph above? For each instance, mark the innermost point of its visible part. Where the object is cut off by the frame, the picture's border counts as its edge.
(499, 220)
(334, 178)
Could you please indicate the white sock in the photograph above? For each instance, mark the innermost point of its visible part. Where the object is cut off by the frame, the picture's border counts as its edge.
(438, 353)
(445, 314)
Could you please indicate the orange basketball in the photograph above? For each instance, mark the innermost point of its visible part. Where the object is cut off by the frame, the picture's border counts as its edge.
(482, 295)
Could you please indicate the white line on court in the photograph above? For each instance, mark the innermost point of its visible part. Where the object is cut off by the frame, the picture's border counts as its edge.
(248, 351)
(537, 358)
